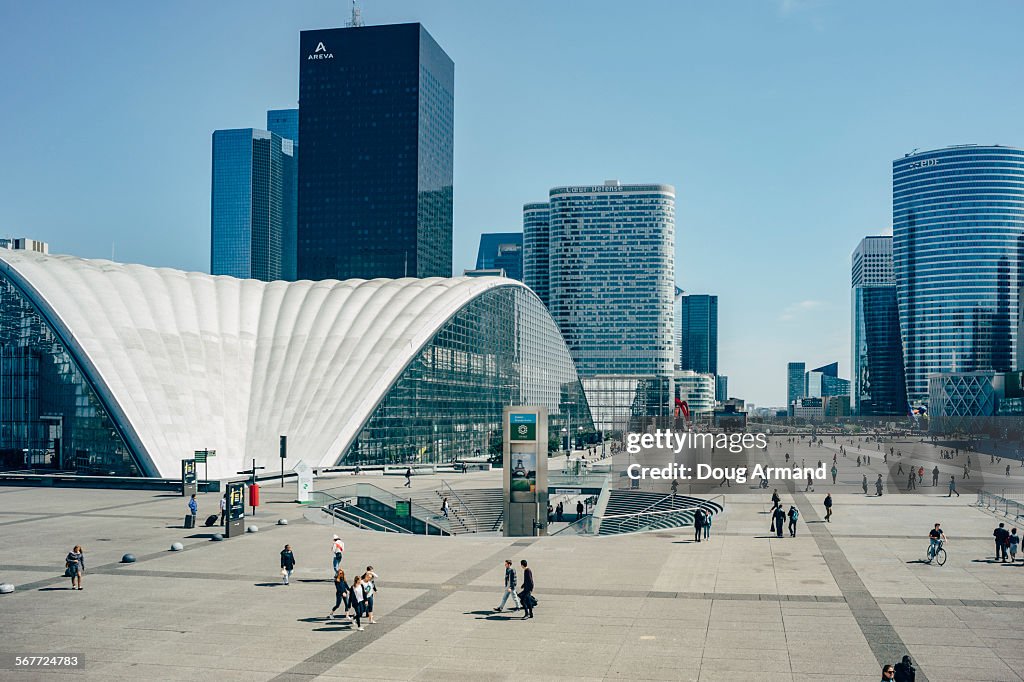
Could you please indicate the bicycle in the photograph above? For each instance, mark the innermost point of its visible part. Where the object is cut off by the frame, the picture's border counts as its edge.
(936, 553)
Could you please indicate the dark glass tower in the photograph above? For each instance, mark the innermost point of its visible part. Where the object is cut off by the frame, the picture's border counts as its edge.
(376, 110)
(699, 328)
(501, 250)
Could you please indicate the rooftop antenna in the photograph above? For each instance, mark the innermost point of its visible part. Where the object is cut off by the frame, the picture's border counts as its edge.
(357, 16)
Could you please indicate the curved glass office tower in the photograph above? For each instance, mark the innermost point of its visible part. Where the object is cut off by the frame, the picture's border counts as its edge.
(958, 251)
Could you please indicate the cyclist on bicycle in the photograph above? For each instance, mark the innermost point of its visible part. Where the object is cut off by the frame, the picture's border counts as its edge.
(936, 538)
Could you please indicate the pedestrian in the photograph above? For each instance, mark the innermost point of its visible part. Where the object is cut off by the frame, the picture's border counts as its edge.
(356, 599)
(551, 513)
(287, 563)
(952, 487)
(1002, 538)
(74, 562)
(1007, 469)
(828, 508)
(967, 470)
(920, 474)
(444, 507)
(698, 524)
(1014, 541)
(878, 485)
(904, 671)
(775, 498)
(223, 507)
(558, 512)
(899, 470)
(864, 484)
(341, 589)
(858, 460)
(526, 596)
(510, 587)
(369, 590)
(408, 477)
(707, 525)
(835, 472)
(794, 514)
(337, 549)
(778, 519)
(935, 475)
(579, 510)
(193, 509)
(911, 481)
(675, 486)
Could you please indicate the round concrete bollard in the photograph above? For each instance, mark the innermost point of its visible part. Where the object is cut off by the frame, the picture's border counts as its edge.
(252, 529)
(282, 522)
(217, 537)
(6, 588)
(128, 559)
(177, 546)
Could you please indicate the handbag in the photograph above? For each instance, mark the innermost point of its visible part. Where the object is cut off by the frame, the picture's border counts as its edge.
(284, 572)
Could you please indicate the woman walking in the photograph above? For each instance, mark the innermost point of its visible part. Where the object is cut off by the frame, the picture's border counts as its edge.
(445, 508)
(75, 563)
(341, 589)
(369, 589)
(355, 600)
(287, 563)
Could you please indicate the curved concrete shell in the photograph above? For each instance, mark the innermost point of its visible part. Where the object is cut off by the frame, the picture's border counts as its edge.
(185, 361)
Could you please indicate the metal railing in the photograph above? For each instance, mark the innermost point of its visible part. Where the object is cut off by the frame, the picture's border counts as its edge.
(584, 526)
(463, 506)
(338, 510)
(1000, 504)
(387, 498)
(639, 522)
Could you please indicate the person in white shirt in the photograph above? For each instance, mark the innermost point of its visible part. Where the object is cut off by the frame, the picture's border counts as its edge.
(223, 508)
(338, 549)
(369, 589)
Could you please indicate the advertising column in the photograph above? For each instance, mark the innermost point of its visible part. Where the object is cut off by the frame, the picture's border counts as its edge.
(235, 508)
(525, 436)
(188, 478)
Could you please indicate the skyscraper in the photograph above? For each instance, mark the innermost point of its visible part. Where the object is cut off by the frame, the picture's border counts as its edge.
(794, 383)
(536, 243)
(285, 122)
(252, 171)
(958, 251)
(824, 381)
(879, 386)
(612, 272)
(501, 250)
(376, 110)
(699, 333)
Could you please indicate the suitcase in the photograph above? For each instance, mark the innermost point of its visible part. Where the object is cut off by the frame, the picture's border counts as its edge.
(190, 521)
(211, 520)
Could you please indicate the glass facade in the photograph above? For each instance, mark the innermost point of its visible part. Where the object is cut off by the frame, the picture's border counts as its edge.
(252, 203)
(612, 276)
(500, 349)
(501, 250)
(958, 251)
(376, 107)
(285, 122)
(879, 384)
(50, 416)
(698, 328)
(621, 403)
(536, 252)
(794, 383)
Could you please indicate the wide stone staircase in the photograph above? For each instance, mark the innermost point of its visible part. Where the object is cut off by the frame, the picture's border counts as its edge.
(473, 510)
(634, 511)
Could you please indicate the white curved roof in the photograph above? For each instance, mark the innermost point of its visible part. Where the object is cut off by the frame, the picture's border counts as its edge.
(187, 361)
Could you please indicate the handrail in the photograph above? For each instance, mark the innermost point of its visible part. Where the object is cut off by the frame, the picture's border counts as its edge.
(339, 511)
(582, 526)
(376, 518)
(702, 505)
(388, 498)
(476, 521)
(994, 502)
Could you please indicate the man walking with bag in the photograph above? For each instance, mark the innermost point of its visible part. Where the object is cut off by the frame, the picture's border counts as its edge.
(526, 596)
(193, 510)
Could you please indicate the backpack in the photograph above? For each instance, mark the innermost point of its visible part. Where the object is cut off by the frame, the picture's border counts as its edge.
(796, 514)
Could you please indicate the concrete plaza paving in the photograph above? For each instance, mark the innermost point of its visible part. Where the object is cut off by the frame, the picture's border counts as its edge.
(829, 604)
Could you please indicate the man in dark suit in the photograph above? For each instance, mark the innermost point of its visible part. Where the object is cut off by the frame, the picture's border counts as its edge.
(526, 596)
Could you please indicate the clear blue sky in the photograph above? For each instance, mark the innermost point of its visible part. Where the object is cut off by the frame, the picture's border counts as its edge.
(777, 122)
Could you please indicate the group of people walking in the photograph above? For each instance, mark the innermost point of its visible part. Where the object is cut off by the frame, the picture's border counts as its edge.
(782, 518)
(523, 599)
(356, 596)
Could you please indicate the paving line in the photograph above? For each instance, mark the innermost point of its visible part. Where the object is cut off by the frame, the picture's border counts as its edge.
(325, 659)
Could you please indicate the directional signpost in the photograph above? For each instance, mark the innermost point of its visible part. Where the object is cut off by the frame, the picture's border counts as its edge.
(201, 457)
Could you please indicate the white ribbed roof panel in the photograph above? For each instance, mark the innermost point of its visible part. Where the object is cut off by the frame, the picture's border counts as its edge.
(187, 361)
